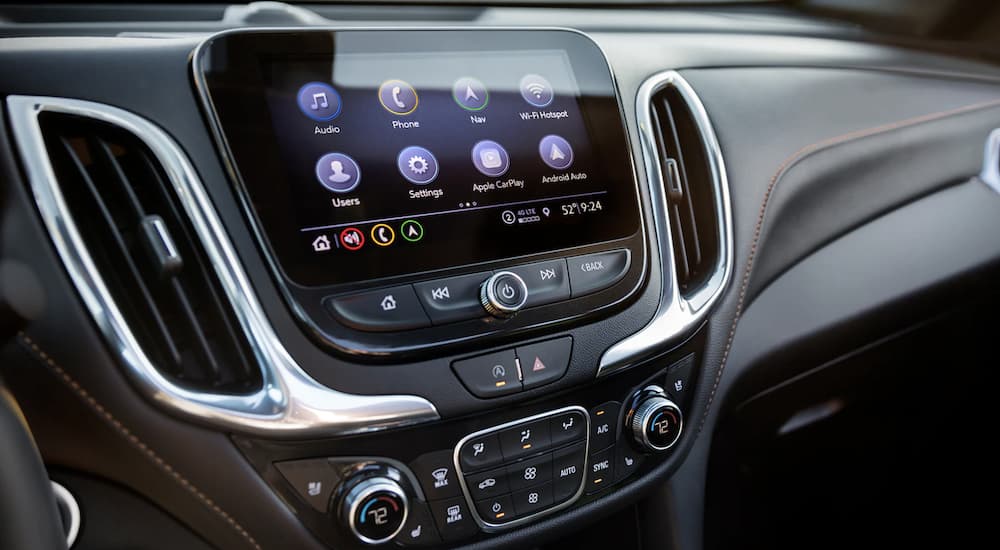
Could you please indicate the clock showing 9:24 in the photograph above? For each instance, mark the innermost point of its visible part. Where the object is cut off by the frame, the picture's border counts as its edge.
(582, 207)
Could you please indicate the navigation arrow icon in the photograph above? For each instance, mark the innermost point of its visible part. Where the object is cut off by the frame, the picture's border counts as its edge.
(470, 93)
(556, 153)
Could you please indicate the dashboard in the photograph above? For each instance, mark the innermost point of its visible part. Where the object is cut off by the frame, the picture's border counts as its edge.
(456, 277)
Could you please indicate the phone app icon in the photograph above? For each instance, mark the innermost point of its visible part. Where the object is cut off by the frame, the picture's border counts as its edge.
(383, 235)
(338, 172)
(319, 101)
(398, 97)
(490, 158)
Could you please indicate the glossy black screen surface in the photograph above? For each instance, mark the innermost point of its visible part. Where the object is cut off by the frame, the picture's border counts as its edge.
(373, 154)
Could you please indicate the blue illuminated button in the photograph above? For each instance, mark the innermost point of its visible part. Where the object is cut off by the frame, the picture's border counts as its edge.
(556, 152)
(338, 172)
(490, 158)
(417, 165)
(319, 101)
(470, 94)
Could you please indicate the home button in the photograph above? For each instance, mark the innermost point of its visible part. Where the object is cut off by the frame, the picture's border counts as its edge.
(382, 310)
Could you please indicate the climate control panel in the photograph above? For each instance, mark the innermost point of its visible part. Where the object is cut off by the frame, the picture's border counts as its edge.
(524, 469)
(461, 480)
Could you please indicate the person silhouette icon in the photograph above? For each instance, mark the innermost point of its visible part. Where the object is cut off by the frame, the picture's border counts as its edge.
(338, 175)
(338, 172)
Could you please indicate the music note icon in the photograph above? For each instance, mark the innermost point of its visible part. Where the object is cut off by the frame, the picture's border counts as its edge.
(319, 101)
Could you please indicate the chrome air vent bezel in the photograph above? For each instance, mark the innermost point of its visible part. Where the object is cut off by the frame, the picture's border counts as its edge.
(677, 315)
(290, 402)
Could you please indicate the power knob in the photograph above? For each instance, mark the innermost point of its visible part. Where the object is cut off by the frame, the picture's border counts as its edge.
(655, 421)
(503, 294)
(373, 505)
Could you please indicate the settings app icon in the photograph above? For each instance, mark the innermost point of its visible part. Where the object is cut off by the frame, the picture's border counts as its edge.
(417, 165)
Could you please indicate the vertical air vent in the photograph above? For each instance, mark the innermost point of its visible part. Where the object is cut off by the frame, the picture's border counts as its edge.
(689, 188)
(129, 220)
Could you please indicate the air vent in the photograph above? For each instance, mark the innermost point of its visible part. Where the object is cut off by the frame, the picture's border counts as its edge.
(129, 220)
(689, 188)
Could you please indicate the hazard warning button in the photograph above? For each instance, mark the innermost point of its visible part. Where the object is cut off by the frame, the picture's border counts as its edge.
(544, 362)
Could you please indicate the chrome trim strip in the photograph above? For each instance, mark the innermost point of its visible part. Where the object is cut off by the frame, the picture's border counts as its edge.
(290, 402)
(67, 501)
(677, 315)
(495, 527)
(991, 161)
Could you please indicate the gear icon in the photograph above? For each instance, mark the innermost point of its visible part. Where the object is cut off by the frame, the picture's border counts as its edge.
(418, 165)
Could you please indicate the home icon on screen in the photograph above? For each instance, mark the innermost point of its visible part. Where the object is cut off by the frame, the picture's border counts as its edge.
(321, 244)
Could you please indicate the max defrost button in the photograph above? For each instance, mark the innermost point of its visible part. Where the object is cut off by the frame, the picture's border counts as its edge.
(382, 310)
(595, 272)
(489, 375)
(436, 473)
(544, 362)
(452, 299)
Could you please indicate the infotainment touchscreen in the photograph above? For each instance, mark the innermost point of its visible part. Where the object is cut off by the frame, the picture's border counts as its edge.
(372, 154)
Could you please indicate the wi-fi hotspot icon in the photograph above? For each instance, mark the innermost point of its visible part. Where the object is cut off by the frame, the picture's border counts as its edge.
(536, 90)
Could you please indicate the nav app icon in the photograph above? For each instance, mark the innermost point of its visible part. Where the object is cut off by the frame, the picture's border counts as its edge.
(470, 94)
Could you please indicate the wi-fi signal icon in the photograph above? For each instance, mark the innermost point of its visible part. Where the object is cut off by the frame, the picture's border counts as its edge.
(536, 89)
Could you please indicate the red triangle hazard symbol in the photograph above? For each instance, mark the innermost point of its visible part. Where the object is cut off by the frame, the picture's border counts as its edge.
(538, 365)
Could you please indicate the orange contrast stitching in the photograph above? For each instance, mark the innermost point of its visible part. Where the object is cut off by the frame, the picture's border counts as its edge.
(135, 441)
(782, 170)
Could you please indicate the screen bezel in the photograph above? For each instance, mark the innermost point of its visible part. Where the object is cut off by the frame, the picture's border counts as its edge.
(238, 88)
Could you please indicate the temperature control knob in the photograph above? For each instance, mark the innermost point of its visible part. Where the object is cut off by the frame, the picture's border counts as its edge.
(503, 294)
(373, 507)
(654, 420)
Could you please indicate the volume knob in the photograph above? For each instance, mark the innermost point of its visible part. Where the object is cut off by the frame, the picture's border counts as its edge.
(656, 423)
(503, 294)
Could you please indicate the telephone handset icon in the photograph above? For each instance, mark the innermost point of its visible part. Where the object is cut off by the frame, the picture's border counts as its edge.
(395, 97)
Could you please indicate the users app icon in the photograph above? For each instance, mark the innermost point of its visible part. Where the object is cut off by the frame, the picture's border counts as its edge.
(398, 97)
(490, 158)
(417, 165)
(470, 94)
(319, 101)
(338, 172)
(556, 152)
(536, 90)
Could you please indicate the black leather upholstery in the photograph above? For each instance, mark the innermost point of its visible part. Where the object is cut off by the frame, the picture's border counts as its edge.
(30, 519)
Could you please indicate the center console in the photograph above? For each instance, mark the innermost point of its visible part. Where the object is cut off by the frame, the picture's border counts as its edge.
(454, 219)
